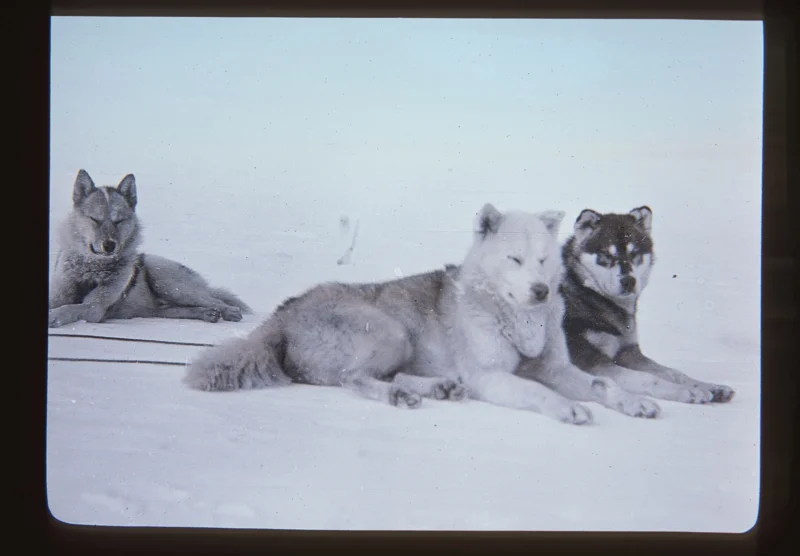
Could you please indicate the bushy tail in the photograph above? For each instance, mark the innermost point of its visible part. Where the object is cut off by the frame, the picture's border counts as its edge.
(227, 297)
(243, 363)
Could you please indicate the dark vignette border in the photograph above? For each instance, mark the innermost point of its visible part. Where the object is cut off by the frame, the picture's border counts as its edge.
(779, 248)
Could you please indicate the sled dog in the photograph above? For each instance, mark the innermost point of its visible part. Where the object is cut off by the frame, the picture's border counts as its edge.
(607, 264)
(446, 334)
(100, 275)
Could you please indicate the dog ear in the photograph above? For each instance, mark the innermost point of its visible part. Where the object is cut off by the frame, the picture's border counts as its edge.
(127, 188)
(644, 218)
(552, 220)
(488, 220)
(586, 223)
(84, 186)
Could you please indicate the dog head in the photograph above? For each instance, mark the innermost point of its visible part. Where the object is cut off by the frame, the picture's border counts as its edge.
(515, 255)
(104, 218)
(614, 252)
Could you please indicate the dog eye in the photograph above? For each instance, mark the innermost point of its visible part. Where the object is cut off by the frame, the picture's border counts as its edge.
(96, 220)
(119, 220)
(603, 259)
(541, 261)
(516, 260)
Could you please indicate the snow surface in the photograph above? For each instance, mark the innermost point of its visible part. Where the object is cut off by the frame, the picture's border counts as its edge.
(128, 444)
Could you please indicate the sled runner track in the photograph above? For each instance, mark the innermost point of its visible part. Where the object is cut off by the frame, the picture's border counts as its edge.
(141, 361)
(142, 340)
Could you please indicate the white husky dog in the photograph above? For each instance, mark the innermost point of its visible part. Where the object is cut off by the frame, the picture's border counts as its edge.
(442, 334)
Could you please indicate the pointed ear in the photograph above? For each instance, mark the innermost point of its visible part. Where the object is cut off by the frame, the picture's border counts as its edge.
(84, 186)
(127, 188)
(644, 218)
(552, 220)
(586, 223)
(488, 220)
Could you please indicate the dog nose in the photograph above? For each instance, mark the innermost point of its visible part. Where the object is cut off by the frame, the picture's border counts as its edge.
(628, 284)
(540, 291)
(109, 245)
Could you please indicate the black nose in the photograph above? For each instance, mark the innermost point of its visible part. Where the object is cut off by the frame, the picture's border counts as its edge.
(540, 291)
(628, 284)
(109, 245)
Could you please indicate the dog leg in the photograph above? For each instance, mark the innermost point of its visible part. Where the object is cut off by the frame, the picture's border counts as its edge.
(208, 314)
(350, 344)
(91, 311)
(206, 308)
(508, 390)
(633, 358)
(181, 286)
(430, 387)
(555, 370)
(94, 306)
(383, 391)
(640, 382)
(63, 293)
(575, 384)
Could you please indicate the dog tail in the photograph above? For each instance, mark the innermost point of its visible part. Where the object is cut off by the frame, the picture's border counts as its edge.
(227, 297)
(243, 363)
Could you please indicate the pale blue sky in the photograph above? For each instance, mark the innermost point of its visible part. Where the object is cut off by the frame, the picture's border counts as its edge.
(417, 109)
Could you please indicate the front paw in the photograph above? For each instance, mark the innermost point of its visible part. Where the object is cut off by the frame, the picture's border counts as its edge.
(59, 317)
(614, 397)
(53, 321)
(449, 390)
(231, 313)
(400, 397)
(721, 393)
(210, 314)
(568, 412)
(576, 414)
(635, 406)
(694, 395)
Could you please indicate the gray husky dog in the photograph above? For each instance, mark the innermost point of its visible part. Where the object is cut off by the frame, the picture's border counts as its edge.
(607, 264)
(99, 274)
(444, 334)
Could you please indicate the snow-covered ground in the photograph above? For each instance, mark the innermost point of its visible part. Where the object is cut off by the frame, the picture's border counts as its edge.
(128, 444)
(246, 182)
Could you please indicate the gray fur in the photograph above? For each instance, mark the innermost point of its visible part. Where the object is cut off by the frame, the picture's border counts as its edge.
(100, 275)
(600, 318)
(443, 334)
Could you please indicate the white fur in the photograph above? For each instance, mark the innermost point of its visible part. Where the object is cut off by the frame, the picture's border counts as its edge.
(530, 238)
(608, 344)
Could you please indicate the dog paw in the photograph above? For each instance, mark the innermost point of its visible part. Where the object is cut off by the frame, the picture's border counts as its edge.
(449, 390)
(233, 314)
(572, 413)
(721, 393)
(601, 387)
(611, 395)
(695, 395)
(210, 315)
(60, 316)
(400, 397)
(634, 406)
(578, 415)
